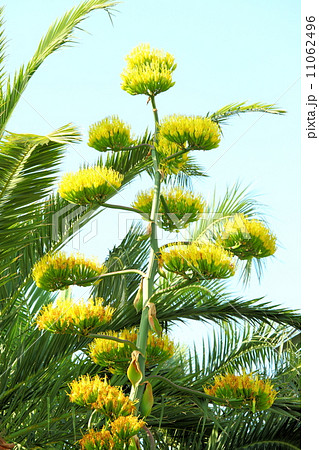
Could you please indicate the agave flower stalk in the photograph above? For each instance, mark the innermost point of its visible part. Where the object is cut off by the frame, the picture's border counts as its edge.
(148, 281)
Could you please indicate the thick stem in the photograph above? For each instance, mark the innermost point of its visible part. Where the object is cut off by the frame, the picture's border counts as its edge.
(148, 281)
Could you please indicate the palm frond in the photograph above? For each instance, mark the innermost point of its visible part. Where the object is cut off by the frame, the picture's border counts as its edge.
(235, 109)
(29, 166)
(184, 178)
(201, 303)
(131, 163)
(211, 427)
(231, 348)
(267, 431)
(60, 34)
(3, 45)
(236, 200)
(120, 291)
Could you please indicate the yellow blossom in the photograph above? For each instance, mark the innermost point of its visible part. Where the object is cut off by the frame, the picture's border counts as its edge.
(110, 134)
(166, 149)
(148, 71)
(193, 132)
(184, 207)
(143, 55)
(66, 316)
(126, 427)
(97, 393)
(247, 238)
(115, 355)
(97, 440)
(58, 271)
(242, 391)
(92, 185)
(197, 260)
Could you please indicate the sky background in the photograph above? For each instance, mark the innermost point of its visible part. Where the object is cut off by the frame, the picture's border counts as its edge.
(226, 52)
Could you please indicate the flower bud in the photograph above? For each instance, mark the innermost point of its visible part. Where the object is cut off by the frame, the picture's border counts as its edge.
(147, 401)
(134, 373)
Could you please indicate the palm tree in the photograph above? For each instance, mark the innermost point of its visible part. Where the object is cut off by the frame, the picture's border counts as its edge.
(28, 169)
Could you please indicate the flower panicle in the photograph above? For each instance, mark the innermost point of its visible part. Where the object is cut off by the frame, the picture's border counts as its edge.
(96, 393)
(58, 271)
(117, 435)
(116, 355)
(97, 440)
(184, 207)
(243, 390)
(110, 133)
(247, 238)
(148, 71)
(198, 260)
(91, 185)
(126, 427)
(174, 164)
(68, 317)
(193, 132)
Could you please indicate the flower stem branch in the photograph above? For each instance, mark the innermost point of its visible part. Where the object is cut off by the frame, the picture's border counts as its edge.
(185, 389)
(150, 437)
(125, 208)
(111, 274)
(112, 338)
(175, 155)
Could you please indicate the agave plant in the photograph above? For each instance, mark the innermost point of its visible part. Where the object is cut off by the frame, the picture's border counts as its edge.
(37, 367)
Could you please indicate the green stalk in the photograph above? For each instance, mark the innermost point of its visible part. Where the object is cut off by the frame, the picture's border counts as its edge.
(112, 338)
(110, 274)
(125, 208)
(148, 281)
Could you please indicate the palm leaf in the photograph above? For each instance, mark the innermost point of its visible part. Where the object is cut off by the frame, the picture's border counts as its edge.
(58, 35)
(235, 109)
(235, 201)
(29, 165)
(3, 45)
(201, 303)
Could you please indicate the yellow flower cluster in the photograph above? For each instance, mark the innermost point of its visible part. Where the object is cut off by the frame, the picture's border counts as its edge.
(174, 165)
(92, 185)
(116, 355)
(95, 393)
(126, 427)
(117, 437)
(68, 317)
(58, 271)
(148, 71)
(242, 390)
(97, 440)
(110, 134)
(184, 207)
(247, 238)
(197, 260)
(193, 132)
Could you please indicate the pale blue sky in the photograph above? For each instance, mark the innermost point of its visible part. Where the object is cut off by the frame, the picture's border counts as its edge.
(226, 52)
